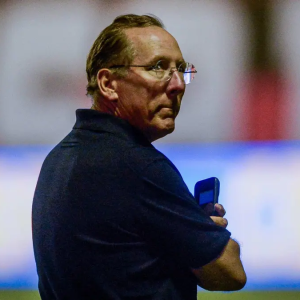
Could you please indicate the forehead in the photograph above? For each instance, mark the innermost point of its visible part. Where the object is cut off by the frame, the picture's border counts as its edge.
(153, 42)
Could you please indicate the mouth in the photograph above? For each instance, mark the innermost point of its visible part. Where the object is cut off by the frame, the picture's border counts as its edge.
(167, 112)
(170, 110)
(167, 109)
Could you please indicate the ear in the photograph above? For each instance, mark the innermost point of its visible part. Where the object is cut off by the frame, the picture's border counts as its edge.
(107, 84)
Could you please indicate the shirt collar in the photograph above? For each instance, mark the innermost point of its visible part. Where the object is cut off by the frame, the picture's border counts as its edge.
(90, 119)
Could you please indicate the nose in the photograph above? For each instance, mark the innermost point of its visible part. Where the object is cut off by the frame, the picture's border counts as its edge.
(176, 84)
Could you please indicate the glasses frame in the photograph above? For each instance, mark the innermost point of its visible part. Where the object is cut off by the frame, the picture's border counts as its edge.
(153, 68)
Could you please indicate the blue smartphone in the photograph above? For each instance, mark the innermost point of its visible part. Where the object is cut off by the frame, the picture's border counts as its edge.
(207, 193)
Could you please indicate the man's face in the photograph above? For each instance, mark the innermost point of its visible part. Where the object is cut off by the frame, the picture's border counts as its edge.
(148, 103)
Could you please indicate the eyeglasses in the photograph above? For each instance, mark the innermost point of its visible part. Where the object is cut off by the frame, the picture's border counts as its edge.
(164, 72)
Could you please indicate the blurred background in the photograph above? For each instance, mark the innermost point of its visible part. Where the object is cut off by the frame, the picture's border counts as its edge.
(239, 120)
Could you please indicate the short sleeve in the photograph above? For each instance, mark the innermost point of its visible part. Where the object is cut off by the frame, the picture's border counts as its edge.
(171, 219)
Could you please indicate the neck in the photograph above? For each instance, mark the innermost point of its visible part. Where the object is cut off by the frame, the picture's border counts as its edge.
(112, 109)
(109, 108)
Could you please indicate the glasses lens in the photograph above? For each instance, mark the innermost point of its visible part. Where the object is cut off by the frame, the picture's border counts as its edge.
(163, 71)
(161, 68)
(189, 73)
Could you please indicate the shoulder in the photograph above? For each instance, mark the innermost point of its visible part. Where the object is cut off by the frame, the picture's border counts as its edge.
(141, 157)
(148, 160)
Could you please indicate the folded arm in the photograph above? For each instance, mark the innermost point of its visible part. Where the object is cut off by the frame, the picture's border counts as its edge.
(226, 272)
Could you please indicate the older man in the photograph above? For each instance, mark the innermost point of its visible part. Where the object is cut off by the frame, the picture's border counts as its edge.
(112, 216)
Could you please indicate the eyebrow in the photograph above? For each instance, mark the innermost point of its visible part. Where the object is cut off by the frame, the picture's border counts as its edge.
(155, 59)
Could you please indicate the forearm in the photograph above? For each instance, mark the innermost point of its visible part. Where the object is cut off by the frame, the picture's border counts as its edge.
(226, 273)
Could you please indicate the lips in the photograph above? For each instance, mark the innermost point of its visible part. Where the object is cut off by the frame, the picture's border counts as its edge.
(167, 112)
(164, 106)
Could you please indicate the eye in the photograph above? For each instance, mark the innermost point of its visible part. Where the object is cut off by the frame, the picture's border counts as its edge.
(161, 65)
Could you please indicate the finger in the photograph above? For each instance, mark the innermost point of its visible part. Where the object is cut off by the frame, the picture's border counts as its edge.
(220, 209)
(223, 222)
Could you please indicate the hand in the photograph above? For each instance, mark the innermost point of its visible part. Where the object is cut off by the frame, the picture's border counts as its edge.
(219, 220)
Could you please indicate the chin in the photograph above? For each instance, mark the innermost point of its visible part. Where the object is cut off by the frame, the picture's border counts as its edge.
(169, 125)
(161, 132)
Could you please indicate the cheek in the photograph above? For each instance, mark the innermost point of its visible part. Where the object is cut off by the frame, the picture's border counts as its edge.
(141, 109)
(145, 98)
(151, 100)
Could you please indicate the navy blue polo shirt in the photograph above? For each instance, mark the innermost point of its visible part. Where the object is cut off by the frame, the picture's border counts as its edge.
(113, 219)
